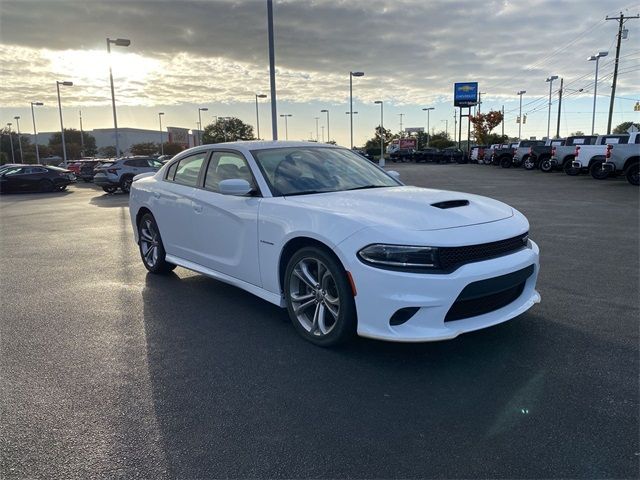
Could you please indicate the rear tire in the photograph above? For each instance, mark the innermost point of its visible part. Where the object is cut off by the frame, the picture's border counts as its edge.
(125, 183)
(596, 170)
(529, 163)
(506, 162)
(110, 189)
(319, 297)
(569, 170)
(633, 175)
(151, 247)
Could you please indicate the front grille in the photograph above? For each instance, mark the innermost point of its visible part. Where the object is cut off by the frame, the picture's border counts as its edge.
(485, 296)
(453, 257)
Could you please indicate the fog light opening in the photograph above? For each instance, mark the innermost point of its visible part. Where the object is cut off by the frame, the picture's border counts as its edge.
(403, 315)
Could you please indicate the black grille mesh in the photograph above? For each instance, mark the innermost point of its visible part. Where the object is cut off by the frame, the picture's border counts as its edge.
(453, 257)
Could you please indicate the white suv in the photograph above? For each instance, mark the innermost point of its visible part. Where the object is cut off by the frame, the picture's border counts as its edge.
(119, 173)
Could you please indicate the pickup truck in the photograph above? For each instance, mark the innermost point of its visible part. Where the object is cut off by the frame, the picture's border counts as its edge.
(402, 155)
(427, 154)
(523, 152)
(538, 153)
(591, 157)
(503, 156)
(624, 159)
(546, 156)
(477, 153)
(562, 156)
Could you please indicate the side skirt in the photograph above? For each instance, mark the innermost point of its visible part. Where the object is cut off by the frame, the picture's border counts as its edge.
(257, 291)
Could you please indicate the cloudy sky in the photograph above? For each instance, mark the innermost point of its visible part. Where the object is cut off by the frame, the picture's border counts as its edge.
(214, 54)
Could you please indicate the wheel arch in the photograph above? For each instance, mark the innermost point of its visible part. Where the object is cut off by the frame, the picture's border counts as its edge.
(140, 213)
(596, 158)
(293, 245)
(631, 161)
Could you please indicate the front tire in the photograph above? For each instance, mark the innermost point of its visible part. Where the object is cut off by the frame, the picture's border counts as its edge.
(151, 246)
(545, 165)
(596, 170)
(46, 186)
(505, 162)
(110, 189)
(569, 170)
(319, 297)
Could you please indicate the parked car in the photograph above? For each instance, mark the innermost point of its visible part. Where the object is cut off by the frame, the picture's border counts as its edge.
(477, 153)
(87, 170)
(624, 159)
(523, 151)
(591, 157)
(401, 155)
(563, 155)
(503, 155)
(364, 154)
(119, 173)
(452, 154)
(35, 178)
(164, 158)
(427, 154)
(340, 243)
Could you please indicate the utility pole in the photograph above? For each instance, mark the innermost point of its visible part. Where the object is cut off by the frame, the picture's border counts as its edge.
(272, 71)
(559, 107)
(81, 135)
(503, 120)
(455, 124)
(401, 115)
(621, 20)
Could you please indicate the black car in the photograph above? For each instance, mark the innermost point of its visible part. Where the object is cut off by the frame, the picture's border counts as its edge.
(87, 170)
(402, 155)
(452, 154)
(427, 154)
(366, 155)
(35, 178)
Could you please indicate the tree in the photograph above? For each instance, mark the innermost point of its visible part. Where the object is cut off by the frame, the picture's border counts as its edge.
(483, 123)
(227, 129)
(577, 133)
(146, 148)
(107, 152)
(172, 148)
(441, 140)
(624, 126)
(373, 145)
(73, 144)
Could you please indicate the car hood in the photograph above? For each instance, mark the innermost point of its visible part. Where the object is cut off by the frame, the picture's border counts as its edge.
(409, 208)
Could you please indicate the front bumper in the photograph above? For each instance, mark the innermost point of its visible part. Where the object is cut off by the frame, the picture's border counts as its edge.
(381, 293)
(609, 167)
(576, 164)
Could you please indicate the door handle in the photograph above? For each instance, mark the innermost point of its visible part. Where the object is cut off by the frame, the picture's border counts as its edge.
(156, 194)
(197, 208)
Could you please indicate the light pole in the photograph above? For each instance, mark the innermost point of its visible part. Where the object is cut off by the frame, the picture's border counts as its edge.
(272, 71)
(258, 95)
(597, 58)
(17, 119)
(381, 161)
(81, 135)
(119, 42)
(550, 80)
(446, 127)
(200, 109)
(520, 93)
(401, 115)
(35, 131)
(286, 126)
(322, 133)
(327, 112)
(160, 114)
(351, 75)
(317, 130)
(428, 109)
(64, 148)
(13, 155)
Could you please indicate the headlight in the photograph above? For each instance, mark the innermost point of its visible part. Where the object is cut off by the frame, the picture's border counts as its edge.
(400, 256)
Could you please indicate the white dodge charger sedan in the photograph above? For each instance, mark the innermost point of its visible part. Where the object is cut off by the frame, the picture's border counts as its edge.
(343, 245)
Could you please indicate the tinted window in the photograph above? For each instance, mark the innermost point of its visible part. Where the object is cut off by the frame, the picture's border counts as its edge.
(188, 169)
(154, 163)
(225, 166)
(171, 171)
(137, 162)
(14, 171)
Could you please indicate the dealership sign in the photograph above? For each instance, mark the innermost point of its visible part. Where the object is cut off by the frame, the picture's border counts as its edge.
(465, 94)
(179, 136)
(414, 130)
(408, 143)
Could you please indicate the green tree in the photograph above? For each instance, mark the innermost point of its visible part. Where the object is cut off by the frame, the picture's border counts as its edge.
(172, 148)
(373, 145)
(577, 133)
(441, 140)
(624, 126)
(107, 152)
(483, 123)
(146, 148)
(227, 129)
(73, 144)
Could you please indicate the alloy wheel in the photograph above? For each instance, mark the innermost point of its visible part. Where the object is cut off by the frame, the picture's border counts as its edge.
(314, 296)
(149, 242)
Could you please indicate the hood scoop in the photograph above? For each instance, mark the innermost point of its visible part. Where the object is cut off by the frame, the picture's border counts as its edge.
(450, 204)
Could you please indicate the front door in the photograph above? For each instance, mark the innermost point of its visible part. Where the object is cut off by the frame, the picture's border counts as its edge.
(227, 225)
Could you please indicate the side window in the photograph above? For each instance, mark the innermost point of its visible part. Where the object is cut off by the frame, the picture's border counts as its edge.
(130, 163)
(224, 166)
(15, 171)
(171, 171)
(153, 163)
(188, 169)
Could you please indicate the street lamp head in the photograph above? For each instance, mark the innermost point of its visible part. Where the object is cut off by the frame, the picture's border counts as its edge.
(355, 113)
(602, 54)
(39, 104)
(261, 95)
(592, 58)
(378, 101)
(551, 78)
(17, 117)
(324, 111)
(160, 113)
(429, 108)
(120, 42)
(357, 74)
(9, 124)
(521, 92)
(66, 84)
(204, 109)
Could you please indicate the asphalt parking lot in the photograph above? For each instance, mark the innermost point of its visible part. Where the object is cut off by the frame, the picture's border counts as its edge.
(107, 371)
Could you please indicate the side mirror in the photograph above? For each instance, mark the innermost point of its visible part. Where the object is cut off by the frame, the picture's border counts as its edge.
(394, 174)
(234, 186)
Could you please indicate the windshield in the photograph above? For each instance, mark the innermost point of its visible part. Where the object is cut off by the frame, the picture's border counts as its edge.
(303, 170)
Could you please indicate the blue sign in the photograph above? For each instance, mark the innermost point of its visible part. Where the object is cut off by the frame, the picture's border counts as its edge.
(465, 94)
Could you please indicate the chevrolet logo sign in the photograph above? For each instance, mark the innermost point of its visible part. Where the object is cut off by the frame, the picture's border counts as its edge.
(465, 88)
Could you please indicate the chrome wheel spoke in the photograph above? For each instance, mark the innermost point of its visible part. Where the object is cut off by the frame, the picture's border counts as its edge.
(303, 306)
(302, 298)
(144, 233)
(303, 273)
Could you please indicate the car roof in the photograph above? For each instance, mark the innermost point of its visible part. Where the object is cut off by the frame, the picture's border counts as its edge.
(263, 145)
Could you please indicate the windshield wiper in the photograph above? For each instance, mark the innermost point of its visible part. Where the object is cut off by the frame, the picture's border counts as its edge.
(367, 186)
